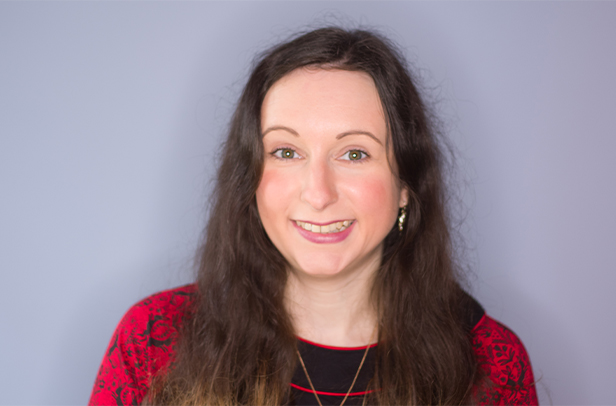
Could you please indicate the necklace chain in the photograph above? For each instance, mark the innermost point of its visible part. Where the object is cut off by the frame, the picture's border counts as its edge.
(316, 395)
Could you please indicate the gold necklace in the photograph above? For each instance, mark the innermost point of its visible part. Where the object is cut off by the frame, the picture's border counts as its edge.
(316, 395)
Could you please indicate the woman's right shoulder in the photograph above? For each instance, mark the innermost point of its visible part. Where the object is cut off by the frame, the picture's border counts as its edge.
(142, 346)
(169, 304)
(160, 311)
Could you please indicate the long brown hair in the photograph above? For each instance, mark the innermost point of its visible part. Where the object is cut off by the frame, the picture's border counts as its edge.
(238, 344)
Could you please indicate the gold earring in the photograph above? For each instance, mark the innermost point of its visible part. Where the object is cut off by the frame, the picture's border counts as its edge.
(401, 218)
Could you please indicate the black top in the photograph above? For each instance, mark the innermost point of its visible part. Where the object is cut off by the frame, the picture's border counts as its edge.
(332, 369)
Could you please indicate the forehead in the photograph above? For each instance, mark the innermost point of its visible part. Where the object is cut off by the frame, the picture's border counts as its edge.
(324, 100)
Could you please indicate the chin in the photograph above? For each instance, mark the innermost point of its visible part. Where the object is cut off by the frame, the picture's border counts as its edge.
(319, 266)
(320, 273)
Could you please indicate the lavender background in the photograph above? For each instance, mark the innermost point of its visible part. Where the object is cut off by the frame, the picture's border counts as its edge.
(111, 114)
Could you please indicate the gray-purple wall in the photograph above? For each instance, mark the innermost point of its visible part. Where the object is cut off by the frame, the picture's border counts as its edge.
(111, 114)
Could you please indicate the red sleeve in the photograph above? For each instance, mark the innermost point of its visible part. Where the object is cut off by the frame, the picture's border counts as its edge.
(504, 361)
(141, 346)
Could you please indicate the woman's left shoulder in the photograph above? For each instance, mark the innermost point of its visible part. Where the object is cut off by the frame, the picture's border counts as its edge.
(503, 359)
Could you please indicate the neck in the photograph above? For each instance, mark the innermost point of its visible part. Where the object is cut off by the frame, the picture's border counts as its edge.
(336, 310)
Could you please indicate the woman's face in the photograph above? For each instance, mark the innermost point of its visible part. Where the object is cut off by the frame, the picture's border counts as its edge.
(328, 196)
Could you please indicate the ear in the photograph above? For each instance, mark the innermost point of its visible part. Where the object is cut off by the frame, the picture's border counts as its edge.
(404, 197)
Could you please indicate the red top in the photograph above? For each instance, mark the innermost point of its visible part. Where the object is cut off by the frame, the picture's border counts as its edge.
(144, 344)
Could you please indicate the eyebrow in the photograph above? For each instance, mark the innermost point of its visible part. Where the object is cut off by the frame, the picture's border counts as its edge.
(342, 135)
(280, 127)
(358, 132)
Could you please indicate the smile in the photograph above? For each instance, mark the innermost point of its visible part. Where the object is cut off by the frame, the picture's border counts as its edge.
(331, 228)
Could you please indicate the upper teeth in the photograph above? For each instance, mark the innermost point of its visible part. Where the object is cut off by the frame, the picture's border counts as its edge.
(330, 228)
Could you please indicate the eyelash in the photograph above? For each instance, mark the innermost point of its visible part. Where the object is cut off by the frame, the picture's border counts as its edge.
(277, 153)
(362, 154)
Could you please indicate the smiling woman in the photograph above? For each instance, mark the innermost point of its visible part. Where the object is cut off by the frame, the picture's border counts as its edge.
(326, 275)
(327, 197)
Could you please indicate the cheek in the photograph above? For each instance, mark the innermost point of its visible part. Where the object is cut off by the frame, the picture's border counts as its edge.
(376, 197)
(273, 195)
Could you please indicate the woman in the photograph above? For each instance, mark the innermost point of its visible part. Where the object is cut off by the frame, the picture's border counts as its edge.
(326, 276)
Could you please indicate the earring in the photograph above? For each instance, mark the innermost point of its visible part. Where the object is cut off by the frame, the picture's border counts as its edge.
(401, 218)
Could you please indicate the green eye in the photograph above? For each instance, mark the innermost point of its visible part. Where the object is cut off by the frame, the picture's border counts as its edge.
(355, 155)
(285, 153)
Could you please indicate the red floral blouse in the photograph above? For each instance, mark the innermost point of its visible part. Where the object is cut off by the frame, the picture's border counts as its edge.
(144, 341)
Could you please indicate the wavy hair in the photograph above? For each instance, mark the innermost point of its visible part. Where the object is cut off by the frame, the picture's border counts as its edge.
(237, 345)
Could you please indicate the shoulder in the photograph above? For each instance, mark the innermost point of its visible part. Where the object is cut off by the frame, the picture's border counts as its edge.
(154, 321)
(503, 360)
(168, 306)
(142, 345)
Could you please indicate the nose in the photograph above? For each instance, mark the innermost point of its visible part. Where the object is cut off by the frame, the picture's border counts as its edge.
(319, 186)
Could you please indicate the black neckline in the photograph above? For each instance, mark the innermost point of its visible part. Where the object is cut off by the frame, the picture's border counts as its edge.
(332, 368)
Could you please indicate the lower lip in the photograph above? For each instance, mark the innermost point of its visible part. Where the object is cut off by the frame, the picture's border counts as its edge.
(319, 238)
